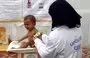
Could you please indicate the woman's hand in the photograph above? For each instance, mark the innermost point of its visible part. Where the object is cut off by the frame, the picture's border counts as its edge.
(38, 35)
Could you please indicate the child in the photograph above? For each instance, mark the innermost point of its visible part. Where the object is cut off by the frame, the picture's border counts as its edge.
(29, 23)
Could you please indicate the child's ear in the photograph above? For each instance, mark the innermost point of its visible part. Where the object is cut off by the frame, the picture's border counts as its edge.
(35, 23)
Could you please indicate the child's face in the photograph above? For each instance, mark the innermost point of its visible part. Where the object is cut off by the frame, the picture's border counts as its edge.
(29, 24)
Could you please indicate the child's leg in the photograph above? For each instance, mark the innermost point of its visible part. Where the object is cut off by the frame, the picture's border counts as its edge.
(31, 44)
(24, 44)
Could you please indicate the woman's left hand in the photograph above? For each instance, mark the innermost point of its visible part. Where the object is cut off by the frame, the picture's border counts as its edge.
(38, 35)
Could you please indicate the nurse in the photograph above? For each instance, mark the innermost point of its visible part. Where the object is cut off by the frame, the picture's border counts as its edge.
(64, 41)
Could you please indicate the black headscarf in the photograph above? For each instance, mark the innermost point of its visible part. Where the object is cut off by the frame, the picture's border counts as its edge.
(63, 13)
(60, 0)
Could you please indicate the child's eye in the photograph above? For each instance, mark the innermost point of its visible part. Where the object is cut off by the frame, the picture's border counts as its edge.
(26, 24)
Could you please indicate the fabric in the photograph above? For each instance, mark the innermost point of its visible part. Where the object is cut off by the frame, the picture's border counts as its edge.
(13, 44)
(61, 11)
(62, 42)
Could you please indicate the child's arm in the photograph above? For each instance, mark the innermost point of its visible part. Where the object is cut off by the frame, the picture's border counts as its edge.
(26, 36)
(30, 34)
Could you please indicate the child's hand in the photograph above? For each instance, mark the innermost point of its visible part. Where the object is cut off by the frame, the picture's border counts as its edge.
(18, 40)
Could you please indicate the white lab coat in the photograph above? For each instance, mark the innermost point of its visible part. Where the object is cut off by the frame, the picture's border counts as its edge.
(62, 42)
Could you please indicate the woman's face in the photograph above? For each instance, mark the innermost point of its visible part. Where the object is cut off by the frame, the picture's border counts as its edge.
(29, 24)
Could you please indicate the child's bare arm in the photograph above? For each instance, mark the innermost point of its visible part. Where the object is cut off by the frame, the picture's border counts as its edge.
(26, 36)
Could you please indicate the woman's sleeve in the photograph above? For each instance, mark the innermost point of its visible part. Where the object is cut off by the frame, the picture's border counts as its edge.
(46, 46)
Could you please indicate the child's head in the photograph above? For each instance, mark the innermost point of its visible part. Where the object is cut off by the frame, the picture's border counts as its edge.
(29, 22)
